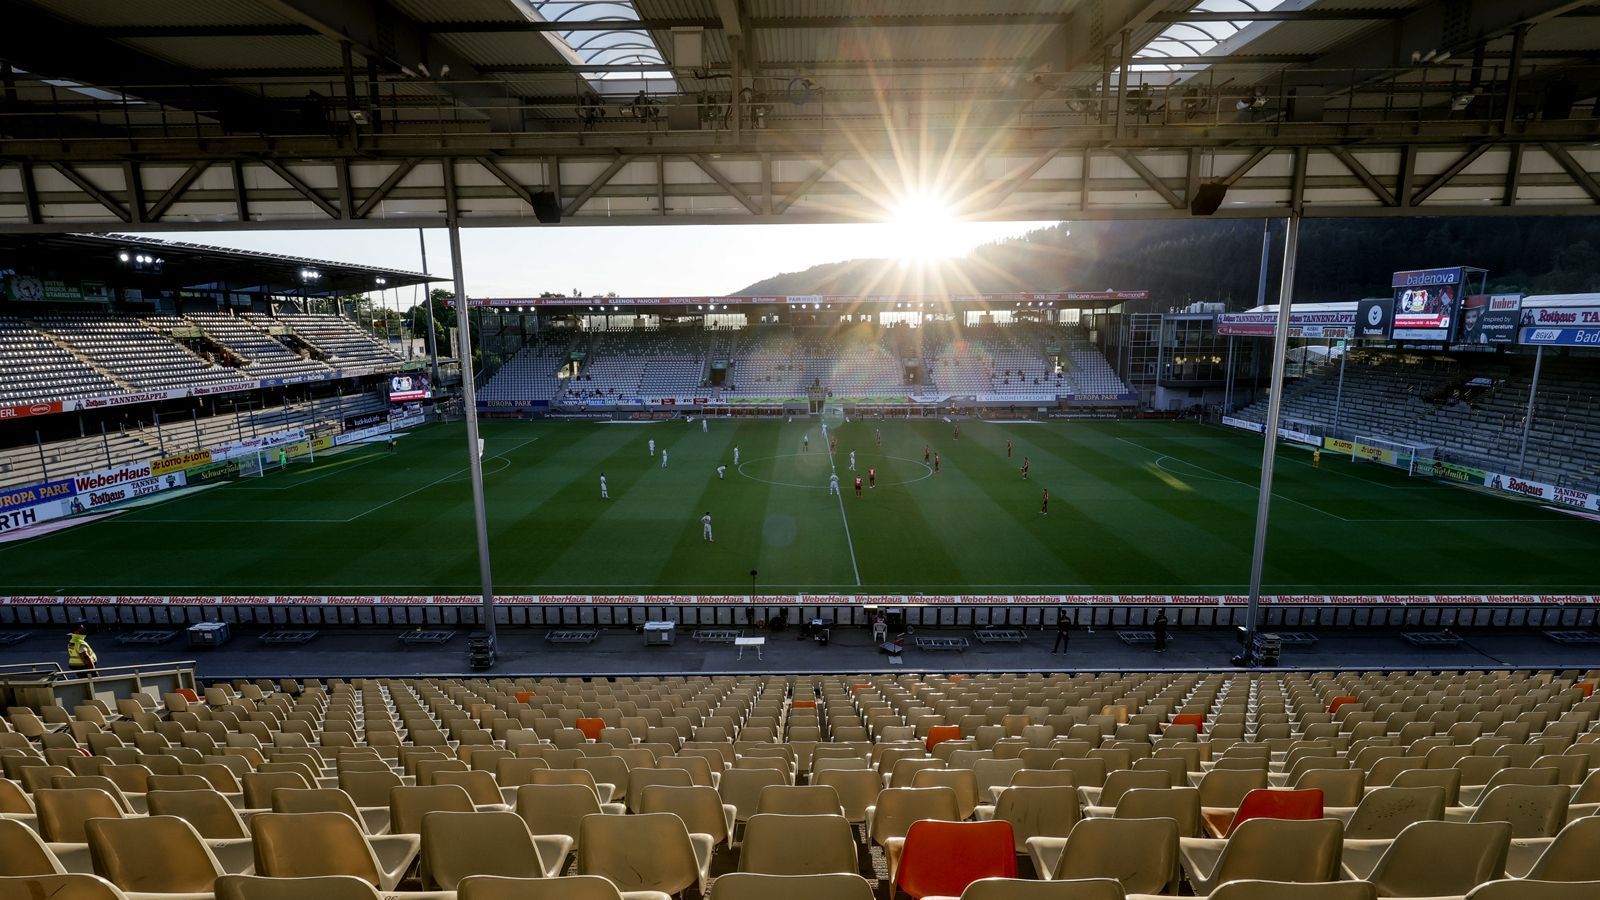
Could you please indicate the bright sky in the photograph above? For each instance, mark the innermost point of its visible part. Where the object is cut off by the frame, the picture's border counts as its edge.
(679, 260)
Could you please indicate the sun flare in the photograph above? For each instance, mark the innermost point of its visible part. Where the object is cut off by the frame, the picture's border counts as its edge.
(924, 227)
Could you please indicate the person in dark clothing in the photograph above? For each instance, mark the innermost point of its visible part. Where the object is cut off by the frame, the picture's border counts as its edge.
(1160, 627)
(1063, 632)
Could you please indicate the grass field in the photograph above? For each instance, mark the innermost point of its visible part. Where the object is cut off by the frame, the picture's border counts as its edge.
(1135, 507)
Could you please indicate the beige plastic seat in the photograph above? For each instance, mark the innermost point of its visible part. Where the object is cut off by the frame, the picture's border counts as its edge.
(408, 804)
(640, 780)
(366, 788)
(569, 887)
(1534, 811)
(58, 887)
(1048, 812)
(373, 820)
(1267, 850)
(963, 781)
(896, 809)
(1440, 859)
(700, 808)
(742, 788)
(1571, 856)
(1278, 890)
(480, 785)
(456, 845)
(1142, 854)
(325, 887)
(747, 886)
(646, 852)
(798, 845)
(1449, 780)
(1339, 787)
(1385, 812)
(23, 852)
(559, 809)
(1514, 889)
(258, 787)
(857, 790)
(602, 792)
(799, 800)
(152, 855)
(1023, 889)
(63, 812)
(306, 844)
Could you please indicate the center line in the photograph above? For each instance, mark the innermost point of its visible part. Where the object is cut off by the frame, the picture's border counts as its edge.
(846, 519)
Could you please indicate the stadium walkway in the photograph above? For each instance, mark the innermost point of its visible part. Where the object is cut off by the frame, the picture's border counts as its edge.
(523, 652)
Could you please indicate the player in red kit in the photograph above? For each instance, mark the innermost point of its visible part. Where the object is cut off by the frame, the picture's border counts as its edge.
(936, 464)
(1008, 449)
(858, 485)
(925, 453)
(872, 476)
(879, 435)
(1044, 505)
(1026, 464)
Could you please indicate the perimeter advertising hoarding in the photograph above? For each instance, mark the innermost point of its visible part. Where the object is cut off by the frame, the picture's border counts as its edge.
(1425, 303)
(1490, 318)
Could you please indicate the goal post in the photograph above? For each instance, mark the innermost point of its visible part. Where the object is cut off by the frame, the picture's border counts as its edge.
(251, 466)
(833, 412)
(1410, 457)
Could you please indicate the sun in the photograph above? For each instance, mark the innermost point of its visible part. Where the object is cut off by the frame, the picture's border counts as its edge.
(924, 226)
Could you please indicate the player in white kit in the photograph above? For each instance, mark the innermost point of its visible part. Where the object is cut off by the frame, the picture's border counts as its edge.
(833, 483)
(603, 494)
(663, 457)
(852, 460)
(736, 456)
(705, 522)
(722, 472)
(705, 426)
(652, 446)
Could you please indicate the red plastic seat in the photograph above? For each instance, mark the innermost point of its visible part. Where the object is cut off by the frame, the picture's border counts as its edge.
(942, 858)
(1268, 804)
(938, 734)
(1585, 687)
(523, 696)
(188, 694)
(1335, 703)
(1195, 719)
(591, 727)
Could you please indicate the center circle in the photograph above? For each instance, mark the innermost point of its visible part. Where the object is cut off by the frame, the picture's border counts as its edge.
(927, 472)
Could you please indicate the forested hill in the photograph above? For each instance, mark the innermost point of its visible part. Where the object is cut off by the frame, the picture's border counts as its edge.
(1179, 261)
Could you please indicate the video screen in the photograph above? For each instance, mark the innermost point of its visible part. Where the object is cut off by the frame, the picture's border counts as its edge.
(405, 388)
(1425, 313)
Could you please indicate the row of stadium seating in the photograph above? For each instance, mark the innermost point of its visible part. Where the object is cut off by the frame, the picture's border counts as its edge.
(56, 357)
(1467, 406)
(1349, 785)
(32, 463)
(779, 362)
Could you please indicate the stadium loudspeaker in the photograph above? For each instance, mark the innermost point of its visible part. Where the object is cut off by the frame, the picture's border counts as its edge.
(1207, 198)
(546, 208)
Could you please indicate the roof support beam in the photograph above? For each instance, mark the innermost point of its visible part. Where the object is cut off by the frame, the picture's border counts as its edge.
(736, 27)
(721, 179)
(1243, 169)
(30, 192)
(379, 31)
(241, 198)
(383, 189)
(1301, 15)
(1365, 177)
(1443, 178)
(1091, 28)
(1580, 176)
(505, 178)
(88, 187)
(593, 187)
(174, 193)
(809, 182)
(301, 188)
(1149, 177)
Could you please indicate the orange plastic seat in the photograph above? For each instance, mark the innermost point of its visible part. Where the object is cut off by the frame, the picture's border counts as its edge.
(1195, 719)
(942, 858)
(591, 727)
(805, 704)
(1268, 804)
(188, 694)
(523, 696)
(938, 734)
(1335, 703)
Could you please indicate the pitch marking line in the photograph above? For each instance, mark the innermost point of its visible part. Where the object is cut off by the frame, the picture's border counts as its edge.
(499, 456)
(353, 462)
(846, 519)
(1215, 475)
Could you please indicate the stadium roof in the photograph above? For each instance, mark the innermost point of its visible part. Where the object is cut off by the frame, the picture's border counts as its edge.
(115, 258)
(310, 113)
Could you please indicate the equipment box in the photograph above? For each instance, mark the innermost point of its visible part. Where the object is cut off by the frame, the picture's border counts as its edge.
(659, 634)
(208, 634)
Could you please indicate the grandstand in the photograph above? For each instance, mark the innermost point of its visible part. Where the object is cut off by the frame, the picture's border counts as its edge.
(1399, 784)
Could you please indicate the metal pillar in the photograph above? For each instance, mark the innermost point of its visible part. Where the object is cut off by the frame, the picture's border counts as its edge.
(1338, 393)
(1527, 417)
(1227, 383)
(161, 440)
(105, 443)
(1269, 453)
(199, 442)
(469, 395)
(44, 467)
(427, 302)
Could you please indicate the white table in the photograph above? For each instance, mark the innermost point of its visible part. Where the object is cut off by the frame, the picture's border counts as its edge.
(756, 642)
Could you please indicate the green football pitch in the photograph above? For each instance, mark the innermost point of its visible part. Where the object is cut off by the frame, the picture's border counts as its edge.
(1135, 507)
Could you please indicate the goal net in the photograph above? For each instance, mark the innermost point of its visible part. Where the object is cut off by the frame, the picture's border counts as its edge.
(1410, 457)
(833, 412)
(251, 466)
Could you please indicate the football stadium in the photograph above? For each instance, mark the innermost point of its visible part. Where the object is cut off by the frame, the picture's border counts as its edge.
(774, 450)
